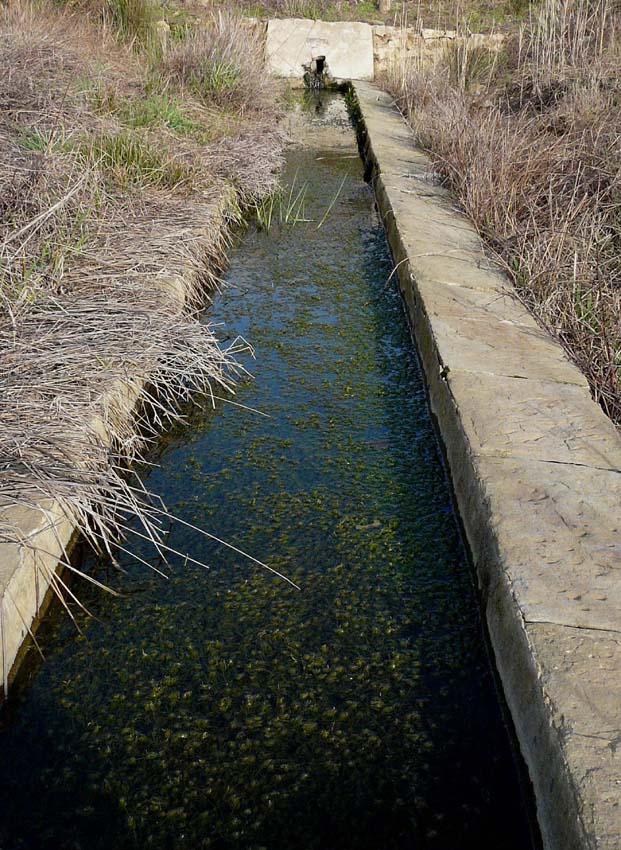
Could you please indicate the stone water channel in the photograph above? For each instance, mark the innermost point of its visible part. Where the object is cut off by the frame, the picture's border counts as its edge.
(226, 709)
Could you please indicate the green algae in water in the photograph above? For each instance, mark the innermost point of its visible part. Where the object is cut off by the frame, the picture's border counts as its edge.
(228, 710)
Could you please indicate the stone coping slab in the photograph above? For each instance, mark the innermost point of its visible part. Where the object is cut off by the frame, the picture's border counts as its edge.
(536, 470)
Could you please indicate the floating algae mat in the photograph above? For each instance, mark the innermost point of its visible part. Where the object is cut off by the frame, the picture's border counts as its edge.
(226, 709)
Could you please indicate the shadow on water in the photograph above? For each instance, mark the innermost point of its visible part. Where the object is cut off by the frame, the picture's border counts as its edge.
(225, 709)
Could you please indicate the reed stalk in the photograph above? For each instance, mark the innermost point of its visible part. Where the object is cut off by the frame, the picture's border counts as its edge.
(531, 147)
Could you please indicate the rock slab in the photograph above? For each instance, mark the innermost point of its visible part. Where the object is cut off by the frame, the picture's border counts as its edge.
(294, 42)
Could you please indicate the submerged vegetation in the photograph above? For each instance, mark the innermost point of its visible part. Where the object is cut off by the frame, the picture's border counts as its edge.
(122, 168)
(530, 141)
(273, 727)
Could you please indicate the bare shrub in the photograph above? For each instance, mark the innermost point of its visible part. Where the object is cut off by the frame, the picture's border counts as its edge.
(533, 154)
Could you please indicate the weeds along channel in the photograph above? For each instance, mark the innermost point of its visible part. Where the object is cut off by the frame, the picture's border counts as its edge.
(128, 148)
(529, 139)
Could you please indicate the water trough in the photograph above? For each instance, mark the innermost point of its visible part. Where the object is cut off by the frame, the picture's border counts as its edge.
(536, 470)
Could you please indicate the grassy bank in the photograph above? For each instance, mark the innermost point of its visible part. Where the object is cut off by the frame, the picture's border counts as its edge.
(530, 141)
(128, 148)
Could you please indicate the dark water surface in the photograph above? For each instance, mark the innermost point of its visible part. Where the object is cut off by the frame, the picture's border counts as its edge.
(225, 709)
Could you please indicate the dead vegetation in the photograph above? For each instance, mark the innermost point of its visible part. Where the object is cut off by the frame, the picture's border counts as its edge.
(477, 15)
(220, 65)
(119, 180)
(530, 141)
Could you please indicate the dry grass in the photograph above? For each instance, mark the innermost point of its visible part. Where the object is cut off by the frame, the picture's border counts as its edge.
(221, 64)
(531, 144)
(478, 15)
(104, 221)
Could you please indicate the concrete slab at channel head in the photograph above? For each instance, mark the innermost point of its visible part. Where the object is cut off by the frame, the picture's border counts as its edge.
(295, 42)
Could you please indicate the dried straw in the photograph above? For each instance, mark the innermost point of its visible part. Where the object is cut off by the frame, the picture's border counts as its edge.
(101, 280)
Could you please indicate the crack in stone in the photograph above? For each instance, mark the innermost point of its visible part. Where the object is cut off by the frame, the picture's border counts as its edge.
(505, 455)
(530, 622)
(576, 463)
(612, 742)
(457, 371)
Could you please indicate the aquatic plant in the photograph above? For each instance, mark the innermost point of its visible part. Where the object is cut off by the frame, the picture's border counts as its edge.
(332, 203)
(287, 206)
(278, 718)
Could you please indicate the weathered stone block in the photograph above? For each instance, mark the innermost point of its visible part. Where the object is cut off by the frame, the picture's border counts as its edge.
(295, 42)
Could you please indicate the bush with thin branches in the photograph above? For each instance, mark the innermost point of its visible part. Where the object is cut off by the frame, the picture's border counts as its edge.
(531, 144)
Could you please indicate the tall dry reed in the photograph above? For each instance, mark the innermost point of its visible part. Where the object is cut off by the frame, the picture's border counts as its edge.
(531, 144)
(221, 63)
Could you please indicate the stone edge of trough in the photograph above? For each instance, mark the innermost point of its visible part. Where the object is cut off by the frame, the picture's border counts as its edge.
(28, 570)
(363, 50)
(535, 467)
